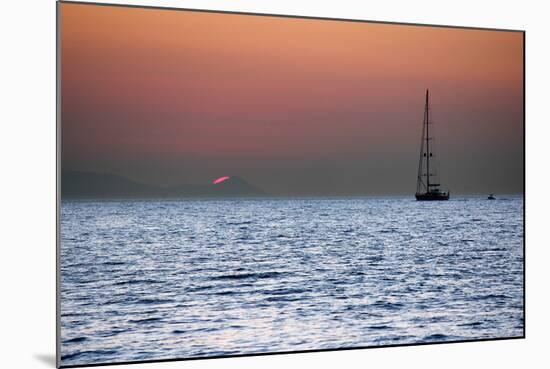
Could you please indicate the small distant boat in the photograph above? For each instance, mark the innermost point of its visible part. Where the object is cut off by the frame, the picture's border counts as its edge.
(427, 185)
(491, 197)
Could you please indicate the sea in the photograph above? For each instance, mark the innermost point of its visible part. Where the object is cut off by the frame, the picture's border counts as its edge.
(175, 279)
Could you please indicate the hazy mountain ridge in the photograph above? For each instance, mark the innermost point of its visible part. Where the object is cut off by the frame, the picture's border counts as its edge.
(88, 185)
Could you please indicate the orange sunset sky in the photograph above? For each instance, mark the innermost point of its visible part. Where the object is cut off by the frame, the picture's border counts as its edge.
(294, 106)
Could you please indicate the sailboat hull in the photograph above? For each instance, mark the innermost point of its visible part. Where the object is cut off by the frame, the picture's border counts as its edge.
(439, 196)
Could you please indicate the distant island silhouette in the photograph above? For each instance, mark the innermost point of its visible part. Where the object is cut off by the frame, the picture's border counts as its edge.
(89, 185)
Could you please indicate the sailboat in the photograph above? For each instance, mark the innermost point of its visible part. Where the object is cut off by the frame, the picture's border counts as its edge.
(427, 183)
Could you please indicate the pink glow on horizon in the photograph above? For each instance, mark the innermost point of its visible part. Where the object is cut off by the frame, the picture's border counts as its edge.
(220, 180)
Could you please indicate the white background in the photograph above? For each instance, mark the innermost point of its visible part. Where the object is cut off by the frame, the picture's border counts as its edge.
(27, 172)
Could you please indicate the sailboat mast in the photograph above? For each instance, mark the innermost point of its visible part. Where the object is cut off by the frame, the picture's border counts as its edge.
(427, 113)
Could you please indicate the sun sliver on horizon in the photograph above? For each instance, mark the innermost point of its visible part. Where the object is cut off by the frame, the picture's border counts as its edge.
(220, 180)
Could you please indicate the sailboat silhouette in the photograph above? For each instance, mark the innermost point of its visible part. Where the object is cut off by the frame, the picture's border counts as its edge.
(427, 183)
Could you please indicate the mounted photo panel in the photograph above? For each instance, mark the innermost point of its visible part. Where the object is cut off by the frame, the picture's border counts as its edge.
(238, 184)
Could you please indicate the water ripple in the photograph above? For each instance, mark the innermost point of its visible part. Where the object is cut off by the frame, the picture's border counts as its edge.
(177, 279)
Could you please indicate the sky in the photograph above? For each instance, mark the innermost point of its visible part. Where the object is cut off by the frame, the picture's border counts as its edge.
(293, 106)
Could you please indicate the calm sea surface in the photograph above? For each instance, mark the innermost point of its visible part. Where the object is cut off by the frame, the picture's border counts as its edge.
(144, 280)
